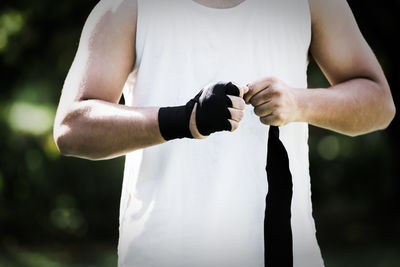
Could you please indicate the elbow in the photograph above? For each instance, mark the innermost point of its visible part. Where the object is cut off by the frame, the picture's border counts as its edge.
(71, 140)
(389, 114)
(71, 145)
(62, 146)
(387, 108)
(63, 139)
(74, 136)
(66, 132)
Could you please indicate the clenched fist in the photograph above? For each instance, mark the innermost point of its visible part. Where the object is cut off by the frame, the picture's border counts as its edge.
(218, 107)
(273, 101)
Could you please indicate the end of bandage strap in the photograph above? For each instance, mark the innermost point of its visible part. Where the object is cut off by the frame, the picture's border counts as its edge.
(174, 121)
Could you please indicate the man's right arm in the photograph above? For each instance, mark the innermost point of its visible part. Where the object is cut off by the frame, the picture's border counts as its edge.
(89, 122)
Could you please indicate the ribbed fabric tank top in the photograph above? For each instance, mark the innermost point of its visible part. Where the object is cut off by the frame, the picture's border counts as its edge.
(202, 202)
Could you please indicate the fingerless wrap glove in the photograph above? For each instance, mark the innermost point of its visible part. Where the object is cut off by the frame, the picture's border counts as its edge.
(212, 113)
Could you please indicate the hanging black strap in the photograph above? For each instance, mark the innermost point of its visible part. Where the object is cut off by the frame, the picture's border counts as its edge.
(277, 229)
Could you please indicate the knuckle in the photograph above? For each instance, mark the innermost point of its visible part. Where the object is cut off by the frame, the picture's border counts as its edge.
(275, 91)
(273, 79)
(271, 90)
(278, 104)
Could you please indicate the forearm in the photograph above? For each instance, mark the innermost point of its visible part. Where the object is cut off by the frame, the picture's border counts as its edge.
(96, 129)
(353, 107)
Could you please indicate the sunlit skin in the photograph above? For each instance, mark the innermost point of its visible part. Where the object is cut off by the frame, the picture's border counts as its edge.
(91, 124)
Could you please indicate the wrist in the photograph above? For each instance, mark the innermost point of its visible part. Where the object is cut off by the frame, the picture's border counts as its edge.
(301, 100)
(173, 122)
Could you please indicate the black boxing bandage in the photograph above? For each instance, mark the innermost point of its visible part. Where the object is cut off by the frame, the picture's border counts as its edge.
(174, 121)
(212, 113)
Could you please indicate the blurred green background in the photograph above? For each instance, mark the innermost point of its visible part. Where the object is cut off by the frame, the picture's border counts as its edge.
(58, 211)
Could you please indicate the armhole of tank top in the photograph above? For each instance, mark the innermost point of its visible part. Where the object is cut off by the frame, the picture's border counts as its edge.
(141, 27)
(130, 83)
(309, 22)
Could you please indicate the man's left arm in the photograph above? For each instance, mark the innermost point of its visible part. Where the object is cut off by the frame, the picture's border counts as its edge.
(359, 99)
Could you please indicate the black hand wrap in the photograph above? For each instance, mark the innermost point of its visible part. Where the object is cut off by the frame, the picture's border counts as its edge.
(212, 113)
(174, 121)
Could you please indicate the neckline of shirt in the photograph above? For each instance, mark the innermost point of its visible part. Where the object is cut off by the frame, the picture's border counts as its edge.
(218, 10)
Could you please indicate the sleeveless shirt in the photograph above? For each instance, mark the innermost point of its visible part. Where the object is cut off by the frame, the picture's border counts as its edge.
(201, 203)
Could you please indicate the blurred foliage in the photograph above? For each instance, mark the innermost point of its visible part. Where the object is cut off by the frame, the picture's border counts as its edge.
(61, 205)
(60, 256)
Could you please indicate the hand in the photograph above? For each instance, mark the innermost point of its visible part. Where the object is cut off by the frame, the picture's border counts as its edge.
(273, 101)
(236, 111)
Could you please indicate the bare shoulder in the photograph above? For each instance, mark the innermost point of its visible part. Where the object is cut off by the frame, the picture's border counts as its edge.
(105, 54)
(337, 43)
(329, 10)
(112, 15)
(116, 7)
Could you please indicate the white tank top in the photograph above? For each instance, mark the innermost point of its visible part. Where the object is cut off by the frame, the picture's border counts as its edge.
(189, 203)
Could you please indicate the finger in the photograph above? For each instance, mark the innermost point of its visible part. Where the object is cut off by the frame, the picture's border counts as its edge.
(231, 89)
(257, 86)
(242, 88)
(236, 114)
(261, 97)
(237, 102)
(234, 125)
(264, 109)
(271, 120)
